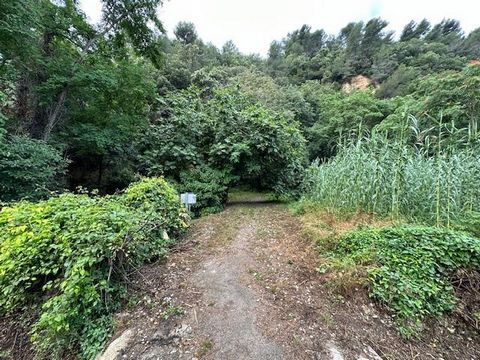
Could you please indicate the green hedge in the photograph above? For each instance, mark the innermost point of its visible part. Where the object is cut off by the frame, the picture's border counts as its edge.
(29, 169)
(68, 255)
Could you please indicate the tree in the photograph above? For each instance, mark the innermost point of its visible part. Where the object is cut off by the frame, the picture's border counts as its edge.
(265, 150)
(448, 32)
(471, 45)
(415, 31)
(176, 137)
(372, 41)
(18, 34)
(65, 41)
(450, 98)
(337, 115)
(398, 83)
(185, 32)
(109, 109)
(230, 54)
(29, 169)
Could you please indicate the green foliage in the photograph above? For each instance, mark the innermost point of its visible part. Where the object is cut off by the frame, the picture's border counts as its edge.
(85, 85)
(265, 150)
(18, 21)
(286, 100)
(136, 23)
(447, 102)
(398, 83)
(186, 32)
(453, 96)
(158, 201)
(211, 187)
(470, 223)
(68, 255)
(422, 181)
(176, 137)
(108, 112)
(368, 49)
(29, 169)
(336, 115)
(409, 268)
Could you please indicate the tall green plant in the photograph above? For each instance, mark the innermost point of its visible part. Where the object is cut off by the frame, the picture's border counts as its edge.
(400, 178)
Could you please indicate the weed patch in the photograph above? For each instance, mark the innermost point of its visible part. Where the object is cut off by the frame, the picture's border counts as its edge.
(408, 268)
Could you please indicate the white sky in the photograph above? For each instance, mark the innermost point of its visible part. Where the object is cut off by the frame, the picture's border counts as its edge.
(254, 24)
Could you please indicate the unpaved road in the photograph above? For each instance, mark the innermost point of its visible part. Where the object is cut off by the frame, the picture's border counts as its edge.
(243, 285)
(230, 322)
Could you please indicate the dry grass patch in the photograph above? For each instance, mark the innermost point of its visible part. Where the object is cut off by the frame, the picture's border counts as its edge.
(323, 227)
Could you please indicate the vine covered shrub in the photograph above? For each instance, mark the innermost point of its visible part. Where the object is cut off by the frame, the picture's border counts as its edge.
(70, 252)
(409, 267)
(157, 199)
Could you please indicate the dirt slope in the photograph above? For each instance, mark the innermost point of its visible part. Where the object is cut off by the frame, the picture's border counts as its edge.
(243, 285)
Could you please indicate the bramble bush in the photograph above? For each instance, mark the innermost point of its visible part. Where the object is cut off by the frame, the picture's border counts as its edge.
(68, 256)
(409, 267)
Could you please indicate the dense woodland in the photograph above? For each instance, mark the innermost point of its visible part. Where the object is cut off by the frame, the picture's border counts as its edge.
(102, 103)
(88, 108)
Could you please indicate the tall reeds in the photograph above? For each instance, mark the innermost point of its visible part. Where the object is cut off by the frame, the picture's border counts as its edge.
(428, 176)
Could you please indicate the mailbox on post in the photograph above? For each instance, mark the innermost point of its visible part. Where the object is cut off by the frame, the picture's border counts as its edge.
(188, 199)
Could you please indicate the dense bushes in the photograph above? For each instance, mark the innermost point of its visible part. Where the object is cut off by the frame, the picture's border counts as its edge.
(409, 267)
(29, 168)
(70, 253)
(260, 147)
(177, 136)
(450, 97)
(208, 145)
(335, 115)
(211, 187)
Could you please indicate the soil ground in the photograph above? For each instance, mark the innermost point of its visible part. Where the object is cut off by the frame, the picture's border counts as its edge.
(243, 284)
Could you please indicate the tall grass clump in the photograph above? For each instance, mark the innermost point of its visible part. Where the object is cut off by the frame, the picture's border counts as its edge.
(430, 177)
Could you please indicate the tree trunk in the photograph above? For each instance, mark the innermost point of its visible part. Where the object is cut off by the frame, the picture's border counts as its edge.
(53, 117)
(54, 114)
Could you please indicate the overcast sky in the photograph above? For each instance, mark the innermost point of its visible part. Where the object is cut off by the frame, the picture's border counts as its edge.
(254, 24)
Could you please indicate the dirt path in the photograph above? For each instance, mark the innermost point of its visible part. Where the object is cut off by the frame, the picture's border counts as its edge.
(243, 285)
(230, 321)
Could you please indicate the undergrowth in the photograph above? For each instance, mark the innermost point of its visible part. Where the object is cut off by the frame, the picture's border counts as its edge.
(407, 268)
(68, 256)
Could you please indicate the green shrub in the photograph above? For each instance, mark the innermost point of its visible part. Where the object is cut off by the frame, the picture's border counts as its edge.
(158, 201)
(470, 222)
(68, 255)
(264, 149)
(410, 267)
(211, 187)
(29, 168)
(259, 147)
